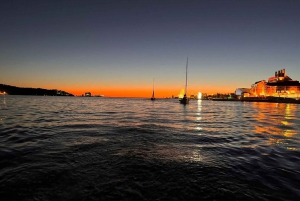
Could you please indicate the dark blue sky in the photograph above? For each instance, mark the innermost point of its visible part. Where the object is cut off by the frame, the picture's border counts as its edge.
(125, 44)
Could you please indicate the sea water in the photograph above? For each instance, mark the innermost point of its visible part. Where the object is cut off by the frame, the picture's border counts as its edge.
(93, 148)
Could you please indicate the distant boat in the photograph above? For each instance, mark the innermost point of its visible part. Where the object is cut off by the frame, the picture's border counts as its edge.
(153, 97)
(185, 99)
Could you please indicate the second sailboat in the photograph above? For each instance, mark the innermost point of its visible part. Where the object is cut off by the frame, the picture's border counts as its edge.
(153, 97)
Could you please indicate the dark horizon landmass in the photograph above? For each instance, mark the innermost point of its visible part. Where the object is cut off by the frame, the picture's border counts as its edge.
(14, 90)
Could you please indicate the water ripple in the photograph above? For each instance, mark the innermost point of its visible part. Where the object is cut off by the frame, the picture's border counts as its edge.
(77, 148)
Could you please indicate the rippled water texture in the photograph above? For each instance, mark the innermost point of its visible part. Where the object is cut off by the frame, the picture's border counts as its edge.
(79, 148)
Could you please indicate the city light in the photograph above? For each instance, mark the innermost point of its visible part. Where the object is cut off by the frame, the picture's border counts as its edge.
(199, 95)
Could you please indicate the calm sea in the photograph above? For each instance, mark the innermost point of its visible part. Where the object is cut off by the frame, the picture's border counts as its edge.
(79, 148)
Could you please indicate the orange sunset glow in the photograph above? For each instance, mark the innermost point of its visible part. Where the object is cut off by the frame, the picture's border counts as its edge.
(146, 92)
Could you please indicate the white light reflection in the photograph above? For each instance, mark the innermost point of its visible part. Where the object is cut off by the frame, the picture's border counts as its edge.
(198, 114)
(196, 156)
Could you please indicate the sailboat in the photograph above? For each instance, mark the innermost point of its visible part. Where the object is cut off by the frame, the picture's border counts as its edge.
(185, 99)
(153, 98)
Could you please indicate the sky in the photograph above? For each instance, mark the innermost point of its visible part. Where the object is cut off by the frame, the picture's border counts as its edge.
(118, 47)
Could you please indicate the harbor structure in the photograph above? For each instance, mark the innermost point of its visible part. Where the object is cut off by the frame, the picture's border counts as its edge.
(242, 92)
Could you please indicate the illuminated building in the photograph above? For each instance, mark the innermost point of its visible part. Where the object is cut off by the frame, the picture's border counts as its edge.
(279, 85)
(258, 89)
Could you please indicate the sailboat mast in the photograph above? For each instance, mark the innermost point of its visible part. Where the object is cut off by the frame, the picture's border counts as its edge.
(153, 89)
(185, 99)
(153, 84)
(186, 76)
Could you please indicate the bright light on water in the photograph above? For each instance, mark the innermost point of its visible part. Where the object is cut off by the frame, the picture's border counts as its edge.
(85, 148)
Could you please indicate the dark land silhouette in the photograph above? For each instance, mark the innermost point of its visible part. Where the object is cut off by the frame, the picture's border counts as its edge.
(13, 90)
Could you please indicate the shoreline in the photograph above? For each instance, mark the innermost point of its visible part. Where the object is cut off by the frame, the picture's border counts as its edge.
(266, 100)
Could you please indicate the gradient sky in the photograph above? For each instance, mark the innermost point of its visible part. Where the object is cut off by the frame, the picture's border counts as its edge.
(117, 47)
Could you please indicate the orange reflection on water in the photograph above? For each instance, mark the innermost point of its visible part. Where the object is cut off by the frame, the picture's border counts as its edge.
(198, 114)
(275, 121)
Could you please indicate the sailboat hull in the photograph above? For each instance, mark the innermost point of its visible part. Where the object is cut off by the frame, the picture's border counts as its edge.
(184, 100)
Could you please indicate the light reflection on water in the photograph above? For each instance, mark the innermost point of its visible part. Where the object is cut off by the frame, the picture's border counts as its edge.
(232, 144)
(278, 122)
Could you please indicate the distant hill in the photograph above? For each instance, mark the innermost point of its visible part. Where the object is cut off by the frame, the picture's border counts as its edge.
(13, 90)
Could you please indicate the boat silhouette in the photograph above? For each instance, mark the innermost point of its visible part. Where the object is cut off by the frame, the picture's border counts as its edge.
(185, 99)
(153, 97)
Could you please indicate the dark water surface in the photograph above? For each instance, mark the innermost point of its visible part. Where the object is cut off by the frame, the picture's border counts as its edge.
(77, 148)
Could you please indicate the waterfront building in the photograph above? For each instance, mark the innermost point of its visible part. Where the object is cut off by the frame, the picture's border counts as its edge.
(279, 85)
(258, 89)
